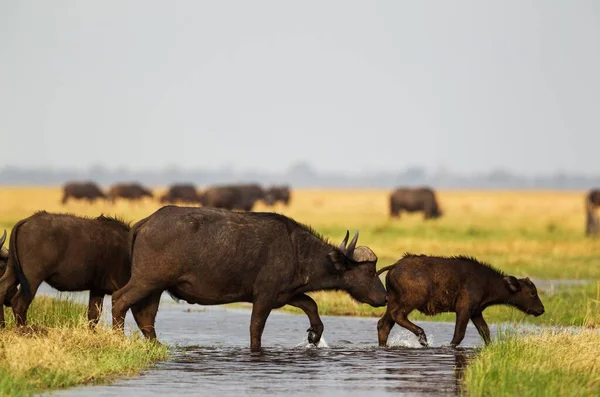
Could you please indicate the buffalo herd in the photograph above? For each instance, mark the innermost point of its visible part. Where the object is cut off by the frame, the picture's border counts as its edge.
(231, 197)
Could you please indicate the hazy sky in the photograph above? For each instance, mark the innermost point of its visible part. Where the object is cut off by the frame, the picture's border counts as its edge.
(344, 85)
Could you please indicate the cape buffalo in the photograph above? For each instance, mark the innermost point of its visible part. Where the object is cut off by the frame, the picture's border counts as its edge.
(181, 193)
(70, 254)
(129, 191)
(592, 203)
(232, 197)
(277, 194)
(213, 256)
(3, 264)
(460, 284)
(414, 199)
(82, 190)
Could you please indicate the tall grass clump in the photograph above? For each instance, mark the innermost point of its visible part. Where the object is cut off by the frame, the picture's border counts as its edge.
(548, 364)
(59, 350)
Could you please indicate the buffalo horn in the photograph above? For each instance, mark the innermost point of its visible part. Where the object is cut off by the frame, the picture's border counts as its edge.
(3, 239)
(350, 249)
(345, 241)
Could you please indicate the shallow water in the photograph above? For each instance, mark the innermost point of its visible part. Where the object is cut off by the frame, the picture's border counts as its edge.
(210, 355)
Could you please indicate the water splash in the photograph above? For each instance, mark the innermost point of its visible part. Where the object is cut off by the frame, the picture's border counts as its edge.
(407, 339)
(307, 345)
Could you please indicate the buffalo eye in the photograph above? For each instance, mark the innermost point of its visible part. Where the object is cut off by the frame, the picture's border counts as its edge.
(533, 294)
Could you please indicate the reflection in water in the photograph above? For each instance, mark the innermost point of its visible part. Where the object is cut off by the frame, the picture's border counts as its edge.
(211, 356)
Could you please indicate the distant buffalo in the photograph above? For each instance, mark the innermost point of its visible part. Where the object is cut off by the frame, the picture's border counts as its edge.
(181, 193)
(592, 204)
(460, 285)
(82, 190)
(413, 200)
(277, 194)
(211, 256)
(69, 253)
(129, 191)
(232, 197)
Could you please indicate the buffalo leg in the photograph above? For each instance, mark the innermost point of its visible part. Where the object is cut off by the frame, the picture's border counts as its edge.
(384, 327)
(20, 302)
(462, 319)
(482, 327)
(7, 282)
(260, 313)
(144, 313)
(123, 299)
(403, 321)
(95, 308)
(309, 306)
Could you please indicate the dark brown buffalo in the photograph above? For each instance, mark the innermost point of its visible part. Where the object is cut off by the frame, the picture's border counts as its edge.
(3, 264)
(70, 254)
(413, 200)
(212, 256)
(460, 284)
(129, 191)
(276, 194)
(592, 204)
(181, 193)
(82, 190)
(232, 197)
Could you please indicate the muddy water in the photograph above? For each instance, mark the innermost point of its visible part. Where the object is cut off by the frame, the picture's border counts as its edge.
(210, 356)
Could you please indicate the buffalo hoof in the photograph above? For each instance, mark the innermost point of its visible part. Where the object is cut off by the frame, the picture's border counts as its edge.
(423, 341)
(313, 337)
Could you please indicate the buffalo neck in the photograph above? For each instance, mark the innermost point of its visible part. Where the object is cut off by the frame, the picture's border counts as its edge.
(497, 293)
(315, 270)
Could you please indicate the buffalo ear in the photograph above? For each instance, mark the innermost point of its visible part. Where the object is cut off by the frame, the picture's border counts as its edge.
(339, 260)
(512, 283)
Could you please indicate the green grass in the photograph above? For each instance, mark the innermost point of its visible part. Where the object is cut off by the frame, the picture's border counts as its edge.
(60, 351)
(549, 364)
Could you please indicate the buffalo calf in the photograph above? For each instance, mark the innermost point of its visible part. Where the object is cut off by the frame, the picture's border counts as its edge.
(69, 253)
(460, 284)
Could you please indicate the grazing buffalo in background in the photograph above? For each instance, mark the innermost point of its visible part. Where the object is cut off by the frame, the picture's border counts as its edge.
(277, 194)
(82, 190)
(212, 256)
(592, 204)
(181, 193)
(70, 254)
(129, 191)
(414, 199)
(232, 197)
(461, 285)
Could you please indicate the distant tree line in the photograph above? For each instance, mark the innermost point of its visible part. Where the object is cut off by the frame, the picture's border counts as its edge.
(303, 175)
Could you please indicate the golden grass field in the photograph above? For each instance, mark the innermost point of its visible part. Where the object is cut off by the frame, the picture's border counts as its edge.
(539, 234)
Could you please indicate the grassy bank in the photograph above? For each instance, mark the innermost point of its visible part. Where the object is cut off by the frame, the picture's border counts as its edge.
(550, 364)
(60, 351)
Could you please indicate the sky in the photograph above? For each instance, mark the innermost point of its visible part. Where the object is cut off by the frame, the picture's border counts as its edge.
(345, 86)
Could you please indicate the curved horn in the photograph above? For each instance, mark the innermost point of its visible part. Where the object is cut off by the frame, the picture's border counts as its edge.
(350, 249)
(3, 239)
(344, 241)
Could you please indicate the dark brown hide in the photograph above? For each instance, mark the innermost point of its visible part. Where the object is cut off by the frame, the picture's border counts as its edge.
(212, 256)
(70, 254)
(462, 285)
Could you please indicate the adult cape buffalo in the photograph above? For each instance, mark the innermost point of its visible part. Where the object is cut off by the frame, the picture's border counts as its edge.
(213, 256)
(414, 199)
(232, 197)
(592, 203)
(69, 253)
(82, 190)
(128, 191)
